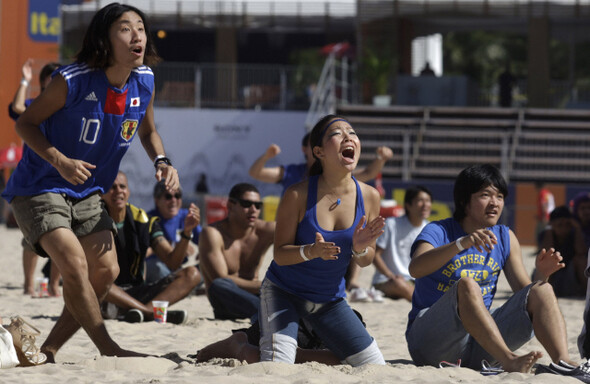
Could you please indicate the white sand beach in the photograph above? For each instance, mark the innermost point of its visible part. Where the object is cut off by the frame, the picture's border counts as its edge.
(79, 361)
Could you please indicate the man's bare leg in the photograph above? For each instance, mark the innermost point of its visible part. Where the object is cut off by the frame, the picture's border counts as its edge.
(396, 288)
(186, 280)
(29, 263)
(54, 277)
(548, 322)
(480, 324)
(123, 300)
(85, 263)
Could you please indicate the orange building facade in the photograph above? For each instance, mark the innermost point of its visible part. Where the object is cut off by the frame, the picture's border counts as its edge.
(28, 29)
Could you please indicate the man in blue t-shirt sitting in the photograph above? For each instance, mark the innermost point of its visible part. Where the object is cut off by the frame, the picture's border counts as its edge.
(456, 263)
(168, 208)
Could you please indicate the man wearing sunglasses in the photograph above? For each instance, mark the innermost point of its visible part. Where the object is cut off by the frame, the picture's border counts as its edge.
(168, 208)
(231, 252)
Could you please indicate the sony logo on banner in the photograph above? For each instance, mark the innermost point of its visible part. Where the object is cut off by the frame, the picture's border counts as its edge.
(231, 131)
(44, 22)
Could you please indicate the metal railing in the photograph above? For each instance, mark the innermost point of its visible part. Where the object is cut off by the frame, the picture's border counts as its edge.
(239, 86)
(334, 88)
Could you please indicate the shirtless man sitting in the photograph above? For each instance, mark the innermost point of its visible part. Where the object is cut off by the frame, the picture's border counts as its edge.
(231, 252)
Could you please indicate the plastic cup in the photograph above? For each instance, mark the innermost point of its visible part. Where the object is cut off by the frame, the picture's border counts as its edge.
(44, 287)
(41, 284)
(160, 311)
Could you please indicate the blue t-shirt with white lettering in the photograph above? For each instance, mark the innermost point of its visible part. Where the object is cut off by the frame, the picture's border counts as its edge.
(96, 124)
(483, 267)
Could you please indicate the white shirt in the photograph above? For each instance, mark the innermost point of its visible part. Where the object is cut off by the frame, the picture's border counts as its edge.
(396, 243)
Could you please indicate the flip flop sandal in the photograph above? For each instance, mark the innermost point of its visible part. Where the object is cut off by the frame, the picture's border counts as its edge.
(488, 370)
(446, 364)
(23, 337)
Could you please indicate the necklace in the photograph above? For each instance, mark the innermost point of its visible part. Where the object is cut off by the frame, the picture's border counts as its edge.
(335, 203)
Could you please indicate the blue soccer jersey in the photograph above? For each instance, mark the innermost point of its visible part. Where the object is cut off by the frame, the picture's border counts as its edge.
(96, 125)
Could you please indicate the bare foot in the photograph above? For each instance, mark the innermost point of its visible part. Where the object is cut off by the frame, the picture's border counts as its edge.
(126, 353)
(522, 363)
(234, 347)
(50, 355)
(54, 291)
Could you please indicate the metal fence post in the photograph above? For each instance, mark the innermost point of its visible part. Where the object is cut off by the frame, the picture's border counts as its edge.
(198, 84)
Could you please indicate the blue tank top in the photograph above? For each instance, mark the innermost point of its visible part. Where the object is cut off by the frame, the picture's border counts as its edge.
(318, 280)
(96, 124)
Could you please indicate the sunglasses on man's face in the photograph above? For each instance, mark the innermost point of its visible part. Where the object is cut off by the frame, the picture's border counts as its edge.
(169, 196)
(248, 203)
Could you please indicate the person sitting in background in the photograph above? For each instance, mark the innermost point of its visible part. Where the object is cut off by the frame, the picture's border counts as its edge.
(15, 109)
(168, 208)
(392, 256)
(457, 262)
(581, 212)
(564, 234)
(136, 232)
(231, 252)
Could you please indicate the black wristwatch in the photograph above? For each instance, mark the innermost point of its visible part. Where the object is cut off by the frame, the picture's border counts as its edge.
(161, 159)
(185, 236)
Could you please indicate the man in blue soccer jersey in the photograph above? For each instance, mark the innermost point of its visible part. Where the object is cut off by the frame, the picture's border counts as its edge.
(457, 262)
(76, 133)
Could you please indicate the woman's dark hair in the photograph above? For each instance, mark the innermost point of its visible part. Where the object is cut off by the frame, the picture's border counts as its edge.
(315, 140)
(414, 191)
(471, 180)
(96, 49)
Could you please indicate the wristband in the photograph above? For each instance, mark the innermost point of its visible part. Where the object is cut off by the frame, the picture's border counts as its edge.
(302, 253)
(161, 159)
(184, 236)
(361, 253)
(458, 243)
(24, 82)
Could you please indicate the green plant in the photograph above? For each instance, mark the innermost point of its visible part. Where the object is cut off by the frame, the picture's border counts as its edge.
(377, 67)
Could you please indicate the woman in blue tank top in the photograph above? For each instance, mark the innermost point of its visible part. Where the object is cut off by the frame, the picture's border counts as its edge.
(77, 132)
(323, 224)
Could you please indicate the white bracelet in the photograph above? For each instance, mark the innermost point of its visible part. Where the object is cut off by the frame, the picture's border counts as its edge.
(302, 253)
(361, 253)
(24, 82)
(458, 243)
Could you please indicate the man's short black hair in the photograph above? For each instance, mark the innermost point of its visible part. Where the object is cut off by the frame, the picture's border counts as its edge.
(471, 180)
(238, 190)
(413, 191)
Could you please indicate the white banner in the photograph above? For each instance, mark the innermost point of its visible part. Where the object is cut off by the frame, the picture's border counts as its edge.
(222, 144)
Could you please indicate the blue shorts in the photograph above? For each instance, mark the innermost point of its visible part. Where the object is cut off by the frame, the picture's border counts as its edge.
(334, 322)
(437, 333)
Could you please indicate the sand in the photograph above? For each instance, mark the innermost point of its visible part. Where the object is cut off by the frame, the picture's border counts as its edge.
(79, 362)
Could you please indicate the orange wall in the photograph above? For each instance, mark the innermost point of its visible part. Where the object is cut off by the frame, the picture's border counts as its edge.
(525, 220)
(15, 48)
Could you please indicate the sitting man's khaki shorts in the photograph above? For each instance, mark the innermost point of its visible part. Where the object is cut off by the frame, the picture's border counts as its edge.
(40, 214)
